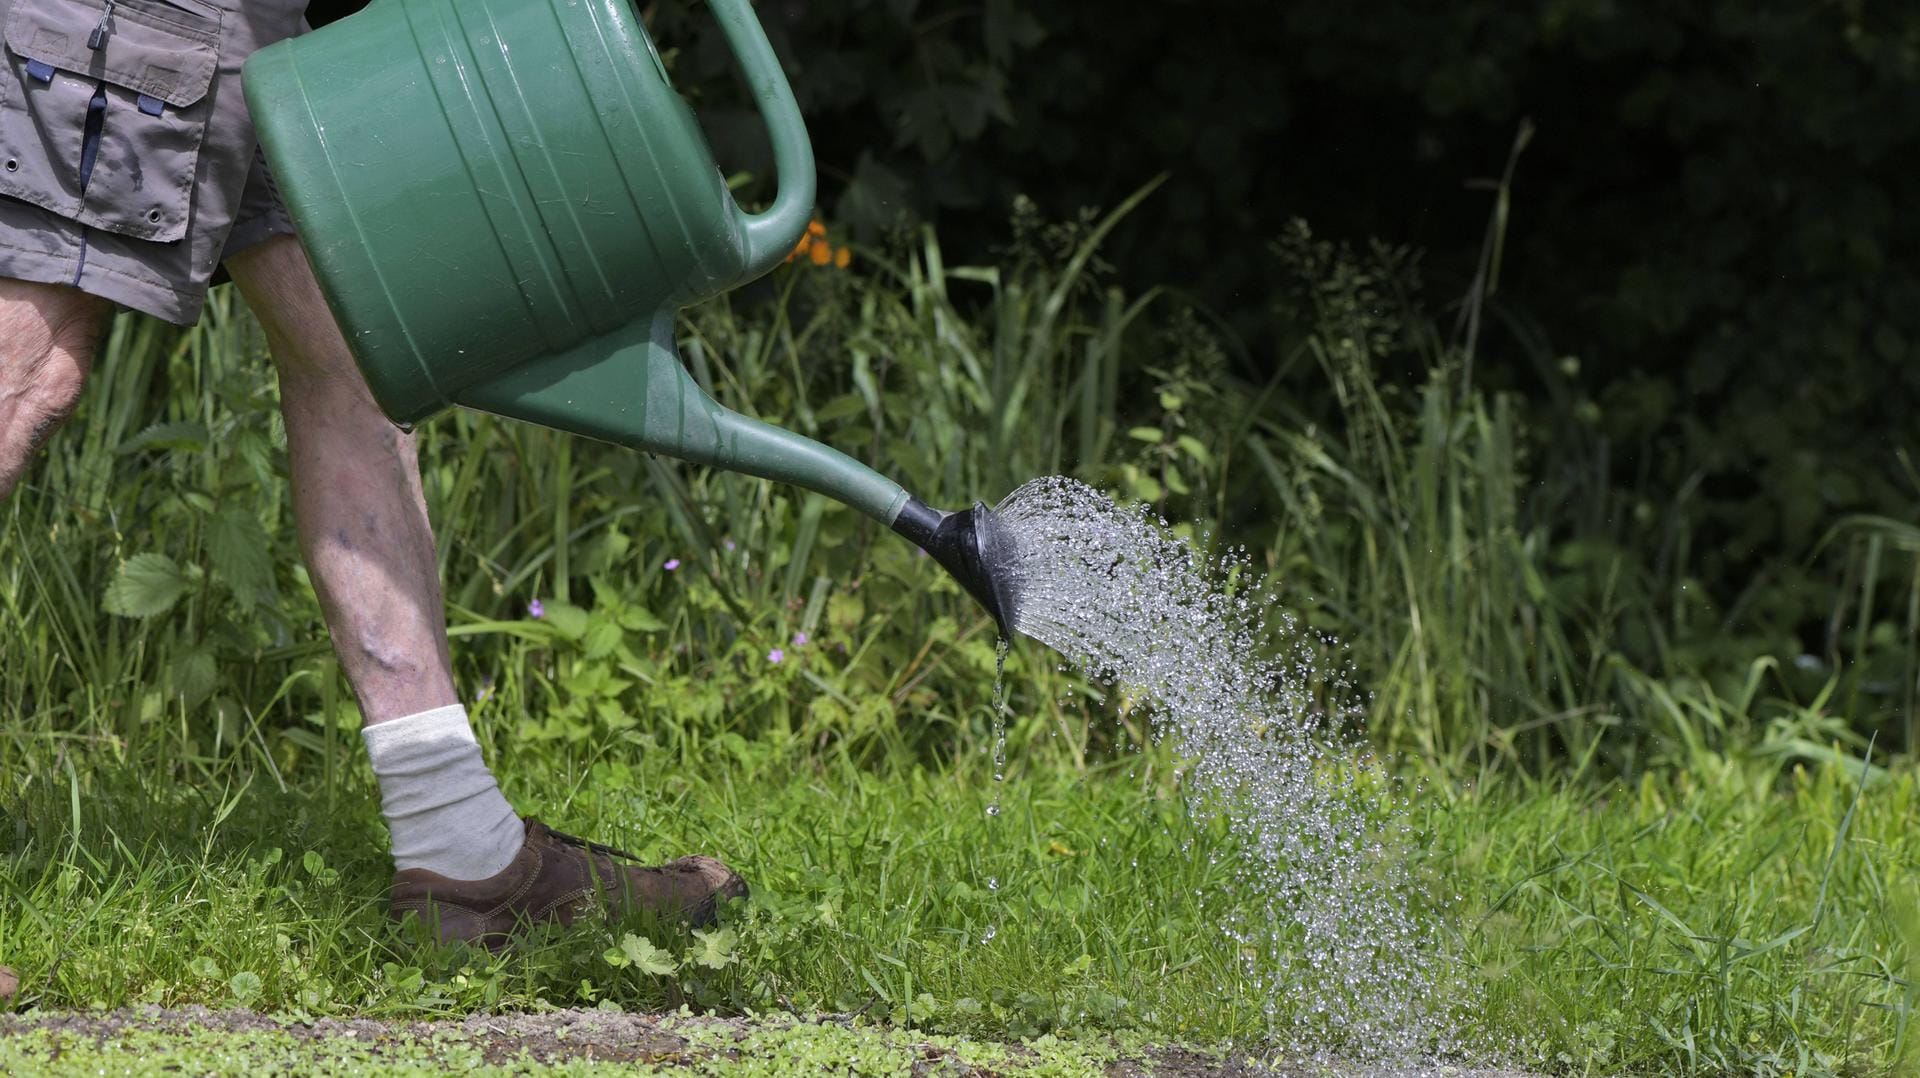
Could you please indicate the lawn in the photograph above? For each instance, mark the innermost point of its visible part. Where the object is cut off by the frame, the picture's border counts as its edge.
(1692, 924)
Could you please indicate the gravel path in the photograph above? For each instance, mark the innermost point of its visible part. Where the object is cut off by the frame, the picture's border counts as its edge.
(197, 1040)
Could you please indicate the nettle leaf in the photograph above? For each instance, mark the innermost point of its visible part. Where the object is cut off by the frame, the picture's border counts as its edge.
(602, 637)
(195, 676)
(638, 619)
(715, 950)
(242, 554)
(640, 952)
(146, 585)
(567, 619)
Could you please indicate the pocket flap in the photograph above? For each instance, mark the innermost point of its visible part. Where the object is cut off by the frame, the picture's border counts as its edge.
(163, 50)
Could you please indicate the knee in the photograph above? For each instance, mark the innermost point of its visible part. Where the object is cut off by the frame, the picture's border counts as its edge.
(47, 339)
(76, 325)
(53, 395)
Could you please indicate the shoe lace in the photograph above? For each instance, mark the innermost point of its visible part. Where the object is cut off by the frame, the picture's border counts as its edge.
(575, 840)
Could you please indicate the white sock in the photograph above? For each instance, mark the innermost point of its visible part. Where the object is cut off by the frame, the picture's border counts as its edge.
(445, 810)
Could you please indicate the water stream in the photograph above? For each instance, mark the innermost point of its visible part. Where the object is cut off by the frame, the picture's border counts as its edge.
(1322, 911)
(1001, 649)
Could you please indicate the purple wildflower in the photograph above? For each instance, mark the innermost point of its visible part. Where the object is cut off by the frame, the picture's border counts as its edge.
(671, 564)
(800, 639)
(535, 610)
(776, 655)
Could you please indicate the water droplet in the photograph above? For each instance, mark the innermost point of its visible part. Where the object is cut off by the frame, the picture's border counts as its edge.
(1261, 713)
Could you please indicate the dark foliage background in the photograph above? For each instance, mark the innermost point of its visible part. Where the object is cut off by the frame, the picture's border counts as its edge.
(1707, 301)
(1708, 277)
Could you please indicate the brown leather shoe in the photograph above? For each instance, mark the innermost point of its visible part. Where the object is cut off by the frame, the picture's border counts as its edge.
(558, 877)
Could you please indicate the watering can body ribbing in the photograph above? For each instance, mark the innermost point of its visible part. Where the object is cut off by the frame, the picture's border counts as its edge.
(505, 202)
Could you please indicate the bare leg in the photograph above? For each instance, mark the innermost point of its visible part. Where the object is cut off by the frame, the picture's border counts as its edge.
(47, 336)
(356, 496)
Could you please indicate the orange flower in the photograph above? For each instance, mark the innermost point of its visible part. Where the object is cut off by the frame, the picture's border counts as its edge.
(841, 257)
(816, 232)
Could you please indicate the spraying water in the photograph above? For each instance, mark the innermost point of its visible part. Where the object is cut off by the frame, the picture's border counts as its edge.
(1323, 915)
(1001, 650)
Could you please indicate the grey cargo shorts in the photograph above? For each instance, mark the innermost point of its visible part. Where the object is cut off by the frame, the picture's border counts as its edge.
(128, 163)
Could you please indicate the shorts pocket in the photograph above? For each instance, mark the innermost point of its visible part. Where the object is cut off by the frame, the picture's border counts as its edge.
(104, 107)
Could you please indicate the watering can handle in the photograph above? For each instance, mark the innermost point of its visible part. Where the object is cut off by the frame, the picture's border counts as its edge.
(771, 234)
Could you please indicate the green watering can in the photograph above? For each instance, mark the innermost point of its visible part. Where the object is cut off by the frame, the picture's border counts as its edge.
(506, 202)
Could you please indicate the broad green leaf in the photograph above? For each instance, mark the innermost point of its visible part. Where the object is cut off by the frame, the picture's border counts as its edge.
(245, 986)
(145, 586)
(1194, 448)
(241, 553)
(602, 637)
(645, 957)
(714, 950)
(638, 619)
(844, 611)
(567, 619)
(1145, 434)
(195, 676)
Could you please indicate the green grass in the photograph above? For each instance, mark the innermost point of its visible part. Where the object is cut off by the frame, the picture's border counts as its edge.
(1704, 923)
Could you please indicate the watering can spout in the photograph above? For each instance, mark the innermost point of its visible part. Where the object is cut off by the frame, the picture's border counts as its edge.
(971, 545)
(630, 388)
